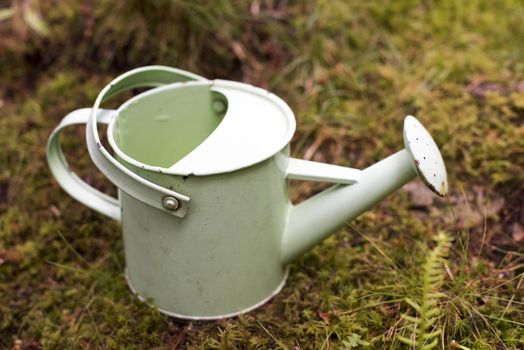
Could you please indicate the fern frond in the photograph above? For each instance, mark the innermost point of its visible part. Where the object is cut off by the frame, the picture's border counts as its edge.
(432, 334)
(407, 340)
(429, 303)
(432, 312)
(413, 304)
(411, 319)
(429, 322)
(424, 332)
(435, 295)
(430, 345)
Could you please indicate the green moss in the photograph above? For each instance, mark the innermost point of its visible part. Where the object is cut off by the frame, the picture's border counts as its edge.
(350, 72)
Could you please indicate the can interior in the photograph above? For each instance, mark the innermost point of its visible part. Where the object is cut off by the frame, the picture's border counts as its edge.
(161, 126)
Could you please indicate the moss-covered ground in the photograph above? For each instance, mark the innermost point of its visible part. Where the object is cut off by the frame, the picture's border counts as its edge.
(350, 71)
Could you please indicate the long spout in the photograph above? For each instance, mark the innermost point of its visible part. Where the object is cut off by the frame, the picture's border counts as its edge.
(313, 220)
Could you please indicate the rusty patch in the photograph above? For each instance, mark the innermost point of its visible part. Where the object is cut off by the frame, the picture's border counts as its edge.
(187, 176)
(443, 188)
(430, 185)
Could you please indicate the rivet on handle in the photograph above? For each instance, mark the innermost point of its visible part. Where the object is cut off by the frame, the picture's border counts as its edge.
(170, 203)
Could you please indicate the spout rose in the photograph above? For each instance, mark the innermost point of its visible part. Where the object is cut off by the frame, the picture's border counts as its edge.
(426, 156)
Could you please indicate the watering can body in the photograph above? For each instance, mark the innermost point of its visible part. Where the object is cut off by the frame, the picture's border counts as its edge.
(207, 224)
(224, 261)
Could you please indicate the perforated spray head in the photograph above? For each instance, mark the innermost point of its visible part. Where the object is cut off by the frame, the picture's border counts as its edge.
(425, 155)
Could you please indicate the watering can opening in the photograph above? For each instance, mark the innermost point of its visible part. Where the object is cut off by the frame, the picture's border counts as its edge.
(201, 128)
(161, 126)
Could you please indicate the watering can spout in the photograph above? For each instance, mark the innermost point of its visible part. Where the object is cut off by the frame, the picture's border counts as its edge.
(316, 218)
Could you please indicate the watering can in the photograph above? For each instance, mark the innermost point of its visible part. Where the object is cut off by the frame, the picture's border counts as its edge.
(201, 168)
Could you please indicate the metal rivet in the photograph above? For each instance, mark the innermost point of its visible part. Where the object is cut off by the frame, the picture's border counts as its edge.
(219, 106)
(170, 203)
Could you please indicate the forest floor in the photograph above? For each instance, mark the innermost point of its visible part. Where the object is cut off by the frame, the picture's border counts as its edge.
(350, 71)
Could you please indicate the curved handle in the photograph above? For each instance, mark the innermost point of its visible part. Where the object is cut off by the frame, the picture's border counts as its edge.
(137, 187)
(66, 178)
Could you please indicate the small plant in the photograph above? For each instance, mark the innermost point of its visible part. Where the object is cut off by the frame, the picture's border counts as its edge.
(423, 328)
(353, 342)
(27, 11)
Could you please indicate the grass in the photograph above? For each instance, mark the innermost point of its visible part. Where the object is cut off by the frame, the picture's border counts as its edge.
(350, 71)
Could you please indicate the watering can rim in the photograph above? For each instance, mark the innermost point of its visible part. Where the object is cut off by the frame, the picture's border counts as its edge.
(223, 87)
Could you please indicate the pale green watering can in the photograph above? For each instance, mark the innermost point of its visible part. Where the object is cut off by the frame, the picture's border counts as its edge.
(202, 168)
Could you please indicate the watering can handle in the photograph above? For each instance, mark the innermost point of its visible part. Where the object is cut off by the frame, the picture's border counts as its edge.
(137, 187)
(126, 180)
(69, 181)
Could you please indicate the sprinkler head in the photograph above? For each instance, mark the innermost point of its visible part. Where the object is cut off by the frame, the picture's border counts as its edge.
(426, 156)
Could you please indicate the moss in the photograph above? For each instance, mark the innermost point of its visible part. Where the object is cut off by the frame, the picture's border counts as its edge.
(350, 72)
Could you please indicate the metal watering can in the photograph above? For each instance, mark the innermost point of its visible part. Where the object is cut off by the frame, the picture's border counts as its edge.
(201, 168)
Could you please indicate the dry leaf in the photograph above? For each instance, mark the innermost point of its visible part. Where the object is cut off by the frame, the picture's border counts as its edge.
(518, 232)
(419, 195)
